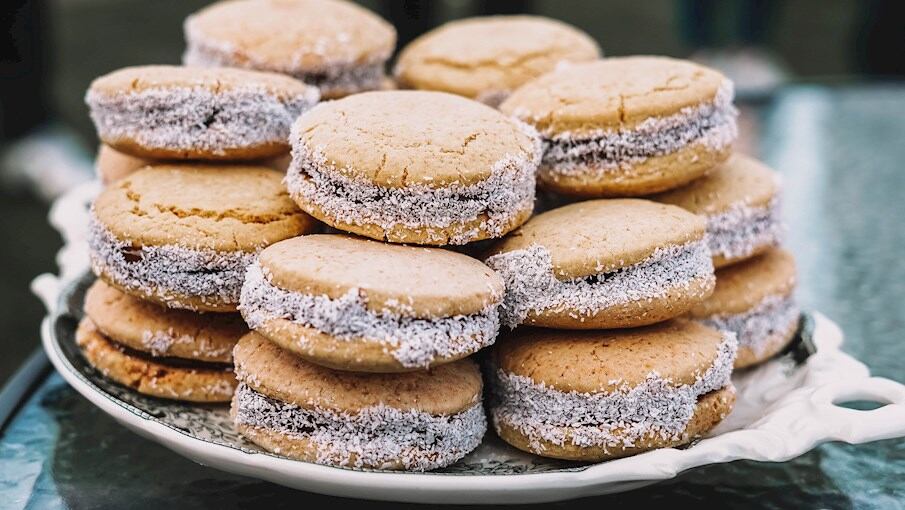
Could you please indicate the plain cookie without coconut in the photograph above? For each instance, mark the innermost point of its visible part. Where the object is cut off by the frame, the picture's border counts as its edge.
(628, 126)
(414, 421)
(755, 300)
(337, 46)
(414, 167)
(356, 304)
(613, 263)
(172, 112)
(162, 378)
(486, 58)
(183, 235)
(740, 200)
(596, 395)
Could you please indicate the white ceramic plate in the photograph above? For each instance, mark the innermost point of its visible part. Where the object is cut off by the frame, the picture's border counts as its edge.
(784, 408)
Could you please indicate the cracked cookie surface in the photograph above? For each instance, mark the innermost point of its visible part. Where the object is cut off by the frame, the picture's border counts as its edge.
(486, 58)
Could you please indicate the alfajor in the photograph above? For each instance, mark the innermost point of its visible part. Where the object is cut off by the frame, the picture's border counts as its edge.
(339, 47)
(597, 395)
(628, 126)
(356, 304)
(414, 167)
(755, 300)
(613, 263)
(415, 421)
(741, 201)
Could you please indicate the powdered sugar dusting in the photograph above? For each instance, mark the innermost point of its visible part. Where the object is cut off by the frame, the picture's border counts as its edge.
(197, 119)
(742, 229)
(168, 271)
(159, 342)
(656, 408)
(712, 125)
(414, 342)
(531, 285)
(374, 437)
(775, 315)
(496, 201)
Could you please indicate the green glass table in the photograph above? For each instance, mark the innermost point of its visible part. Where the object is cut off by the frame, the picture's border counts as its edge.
(841, 151)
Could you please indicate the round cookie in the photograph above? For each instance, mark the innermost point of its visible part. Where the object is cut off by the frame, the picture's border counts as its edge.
(355, 304)
(615, 263)
(337, 46)
(740, 200)
(171, 112)
(597, 395)
(486, 58)
(160, 331)
(163, 378)
(415, 421)
(183, 235)
(755, 300)
(414, 167)
(628, 126)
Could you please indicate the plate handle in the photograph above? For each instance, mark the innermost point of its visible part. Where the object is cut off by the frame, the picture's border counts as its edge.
(860, 426)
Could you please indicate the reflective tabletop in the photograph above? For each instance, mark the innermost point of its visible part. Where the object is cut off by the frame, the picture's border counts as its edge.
(841, 151)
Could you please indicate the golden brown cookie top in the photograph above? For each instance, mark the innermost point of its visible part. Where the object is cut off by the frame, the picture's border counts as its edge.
(612, 94)
(492, 54)
(413, 138)
(415, 281)
(162, 331)
(279, 374)
(129, 80)
(216, 207)
(679, 351)
(600, 236)
(293, 36)
(112, 165)
(739, 181)
(744, 285)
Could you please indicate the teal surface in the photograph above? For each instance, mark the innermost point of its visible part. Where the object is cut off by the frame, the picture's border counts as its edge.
(842, 154)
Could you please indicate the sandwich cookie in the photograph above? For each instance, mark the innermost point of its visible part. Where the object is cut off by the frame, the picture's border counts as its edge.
(741, 203)
(416, 421)
(486, 58)
(414, 167)
(616, 263)
(183, 235)
(157, 351)
(171, 112)
(337, 46)
(628, 126)
(596, 395)
(754, 299)
(355, 304)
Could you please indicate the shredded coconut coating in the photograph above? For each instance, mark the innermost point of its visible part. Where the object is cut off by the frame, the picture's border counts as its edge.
(158, 343)
(414, 342)
(742, 229)
(197, 119)
(532, 287)
(378, 436)
(338, 79)
(168, 271)
(495, 201)
(775, 315)
(711, 124)
(655, 408)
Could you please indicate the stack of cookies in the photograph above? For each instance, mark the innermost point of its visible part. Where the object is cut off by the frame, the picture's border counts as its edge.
(356, 347)
(615, 130)
(188, 204)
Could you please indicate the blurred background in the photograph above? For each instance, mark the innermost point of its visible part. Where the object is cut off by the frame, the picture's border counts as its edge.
(52, 49)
